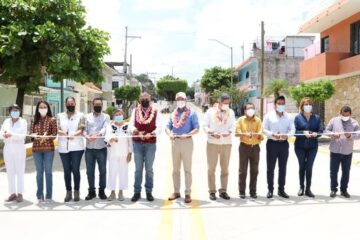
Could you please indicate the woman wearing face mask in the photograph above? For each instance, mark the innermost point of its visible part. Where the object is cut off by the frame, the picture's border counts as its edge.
(13, 132)
(306, 145)
(43, 148)
(120, 149)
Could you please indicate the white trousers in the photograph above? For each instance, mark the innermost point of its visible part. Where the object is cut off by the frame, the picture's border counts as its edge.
(117, 173)
(15, 157)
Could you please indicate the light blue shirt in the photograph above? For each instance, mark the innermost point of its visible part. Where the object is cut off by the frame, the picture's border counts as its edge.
(191, 123)
(273, 123)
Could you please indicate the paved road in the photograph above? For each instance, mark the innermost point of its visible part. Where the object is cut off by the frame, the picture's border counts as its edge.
(296, 218)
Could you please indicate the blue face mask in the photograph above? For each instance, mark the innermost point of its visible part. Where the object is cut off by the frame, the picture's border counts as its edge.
(119, 119)
(15, 114)
(307, 108)
(280, 108)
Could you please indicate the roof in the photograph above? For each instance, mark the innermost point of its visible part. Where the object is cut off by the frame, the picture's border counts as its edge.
(247, 61)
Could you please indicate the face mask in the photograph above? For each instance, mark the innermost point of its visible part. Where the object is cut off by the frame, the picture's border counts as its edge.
(119, 119)
(250, 112)
(307, 108)
(97, 109)
(145, 103)
(225, 107)
(180, 104)
(345, 119)
(43, 111)
(70, 108)
(15, 114)
(280, 108)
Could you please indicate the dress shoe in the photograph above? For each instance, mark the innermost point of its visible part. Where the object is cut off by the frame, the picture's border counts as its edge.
(283, 194)
(308, 193)
(149, 197)
(224, 195)
(11, 198)
(102, 195)
(212, 196)
(301, 192)
(20, 198)
(136, 197)
(68, 196)
(333, 194)
(345, 194)
(187, 199)
(269, 194)
(253, 195)
(91, 195)
(76, 196)
(174, 196)
(242, 195)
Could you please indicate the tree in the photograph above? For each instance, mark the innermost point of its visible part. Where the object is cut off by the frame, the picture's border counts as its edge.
(127, 94)
(146, 83)
(276, 87)
(168, 86)
(216, 77)
(318, 91)
(190, 92)
(237, 96)
(39, 37)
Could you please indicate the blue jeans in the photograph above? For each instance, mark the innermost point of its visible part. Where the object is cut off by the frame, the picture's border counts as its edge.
(71, 164)
(44, 163)
(91, 157)
(306, 158)
(335, 160)
(144, 154)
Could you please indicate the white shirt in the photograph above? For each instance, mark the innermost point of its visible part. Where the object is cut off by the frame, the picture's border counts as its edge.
(158, 122)
(123, 146)
(18, 131)
(70, 125)
(96, 125)
(273, 123)
(212, 125)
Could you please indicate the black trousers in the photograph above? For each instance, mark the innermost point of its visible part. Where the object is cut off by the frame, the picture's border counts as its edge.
(276, 151)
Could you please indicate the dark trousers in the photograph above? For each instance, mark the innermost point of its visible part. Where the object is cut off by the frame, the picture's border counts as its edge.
(306, 158)
(335, 160)
(93, 156)
(248, 155)
(71, 164)
(276, 151)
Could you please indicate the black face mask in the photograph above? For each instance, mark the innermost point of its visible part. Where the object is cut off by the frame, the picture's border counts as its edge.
(145, 103)
(70, 108)
(97, 109)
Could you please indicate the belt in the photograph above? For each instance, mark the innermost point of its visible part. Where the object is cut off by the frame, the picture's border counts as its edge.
(249, 145)
(183, 137)
(277, 141)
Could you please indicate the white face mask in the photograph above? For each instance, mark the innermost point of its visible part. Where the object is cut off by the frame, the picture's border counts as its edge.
(345, 119)
(43, 111)
(250, 112)
(225, 107)
(180, 104)
(307, 108)
(280, 108)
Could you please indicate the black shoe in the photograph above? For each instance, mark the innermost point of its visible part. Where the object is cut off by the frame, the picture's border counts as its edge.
(308, 193)
(149, 197)
(212, 196)
(253, 195)
(345, 194)
(224, 195)
(136, 197)
(242, 195)
(333, 194)
(283, 194)
(269, 194)
(91, 195)
(301, 192)
(102, 195)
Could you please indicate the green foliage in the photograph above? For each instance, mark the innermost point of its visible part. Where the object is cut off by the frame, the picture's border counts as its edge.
(190, 92)
(128, 94)
(38, 37)
(168, 86)
(237, 96)
(276, 87)
(110, 110)
(146, 83)
(216, 77)
(317, 91)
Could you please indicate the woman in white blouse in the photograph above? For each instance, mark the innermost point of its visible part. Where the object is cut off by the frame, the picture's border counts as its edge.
(13, 132)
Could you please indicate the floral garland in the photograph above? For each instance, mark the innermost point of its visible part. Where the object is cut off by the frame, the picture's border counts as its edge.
(148, 116)
(179, 121)
(222, 120)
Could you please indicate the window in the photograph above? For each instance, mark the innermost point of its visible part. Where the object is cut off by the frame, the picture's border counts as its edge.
(355, 38)
(325, 44)
(115, 85)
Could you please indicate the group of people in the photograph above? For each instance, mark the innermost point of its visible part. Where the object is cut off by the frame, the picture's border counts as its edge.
(110, 144)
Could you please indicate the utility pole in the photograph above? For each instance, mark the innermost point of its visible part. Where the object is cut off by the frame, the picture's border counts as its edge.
(243, 51)
(125, 53)
(61, 95)
(262, 72)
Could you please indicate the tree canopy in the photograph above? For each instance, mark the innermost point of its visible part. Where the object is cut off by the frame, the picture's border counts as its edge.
(146, 83)
(317, 91)
(276, 87)
(128, 94)
(216, 77)
(168, 86)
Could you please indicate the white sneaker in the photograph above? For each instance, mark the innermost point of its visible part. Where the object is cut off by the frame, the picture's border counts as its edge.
(112, 196)
(49, 201)
(121, 196)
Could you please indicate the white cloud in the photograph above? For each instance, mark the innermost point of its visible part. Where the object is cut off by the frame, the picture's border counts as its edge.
(162, 5)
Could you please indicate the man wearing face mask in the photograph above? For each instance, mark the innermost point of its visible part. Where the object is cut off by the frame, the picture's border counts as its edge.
(341, 149)
(278, 126)
(219, 123)
(182, 125)
(249, 129)
(96, 151)
(145, 125)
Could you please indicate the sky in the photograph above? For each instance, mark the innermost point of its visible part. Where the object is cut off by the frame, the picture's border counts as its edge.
(175, 33)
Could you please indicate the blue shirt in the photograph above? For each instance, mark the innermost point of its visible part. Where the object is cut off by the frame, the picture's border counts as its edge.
(313, 125)
(191, 123)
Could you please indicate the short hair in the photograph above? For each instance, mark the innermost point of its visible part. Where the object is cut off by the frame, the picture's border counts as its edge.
(279, 98)
(304, 101)
(118, 111)
(249, 104)
(14, 106)
(97, 99)
(69, 97)
(224, 96)
(345, 109)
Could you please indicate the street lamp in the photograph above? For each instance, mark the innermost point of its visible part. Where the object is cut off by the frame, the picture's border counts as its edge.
(231, 52)
(125, 54)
